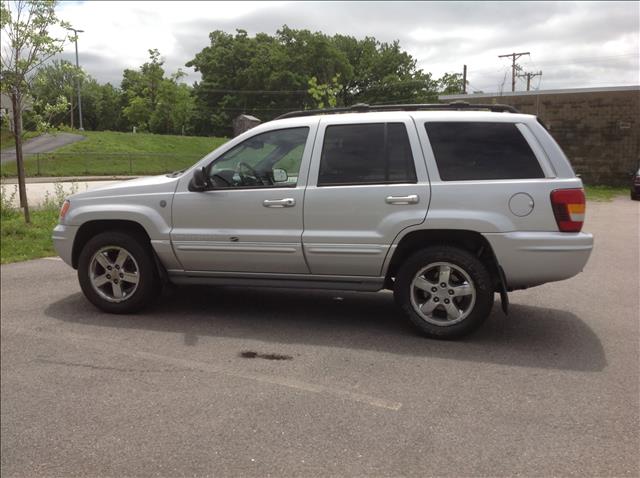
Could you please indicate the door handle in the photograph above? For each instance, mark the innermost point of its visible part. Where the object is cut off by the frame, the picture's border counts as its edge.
(411, 199)
(286, 202)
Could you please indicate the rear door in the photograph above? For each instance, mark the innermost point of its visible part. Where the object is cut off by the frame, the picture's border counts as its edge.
(367, 182)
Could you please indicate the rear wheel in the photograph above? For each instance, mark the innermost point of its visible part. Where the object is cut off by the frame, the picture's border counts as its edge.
(445, 291)
(117, 273)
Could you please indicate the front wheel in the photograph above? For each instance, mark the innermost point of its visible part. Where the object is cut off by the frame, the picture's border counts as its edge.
(117, 273)
(445, 291)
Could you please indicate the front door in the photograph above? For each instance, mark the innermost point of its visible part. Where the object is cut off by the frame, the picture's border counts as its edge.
(250, 218)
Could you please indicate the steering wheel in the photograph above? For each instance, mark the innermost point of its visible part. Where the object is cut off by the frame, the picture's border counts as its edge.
(251, 170)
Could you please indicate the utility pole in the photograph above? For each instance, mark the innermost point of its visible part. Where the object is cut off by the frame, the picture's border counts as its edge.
(75, 34)
(464, 80)
(528, 76)
(514, 57)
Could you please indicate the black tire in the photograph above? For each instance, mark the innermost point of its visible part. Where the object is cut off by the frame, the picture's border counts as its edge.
(478, 274)
(147, 278)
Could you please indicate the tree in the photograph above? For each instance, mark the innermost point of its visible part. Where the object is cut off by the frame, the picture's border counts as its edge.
(108, 106)
(325, 95)
(296, 69)
(58, 77)
(382, 73)
(154, 102)
(26, 46)
(450, 84)
(265, 75)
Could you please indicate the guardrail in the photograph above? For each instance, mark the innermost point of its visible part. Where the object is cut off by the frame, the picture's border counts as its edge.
(99, 164)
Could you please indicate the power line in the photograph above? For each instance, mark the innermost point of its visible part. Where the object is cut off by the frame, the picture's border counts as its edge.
(528, 76)
(514, 57)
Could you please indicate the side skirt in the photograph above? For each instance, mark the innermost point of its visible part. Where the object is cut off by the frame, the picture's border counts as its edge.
(293, 281)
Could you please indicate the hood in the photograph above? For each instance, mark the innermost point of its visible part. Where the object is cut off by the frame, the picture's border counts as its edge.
(145, 185)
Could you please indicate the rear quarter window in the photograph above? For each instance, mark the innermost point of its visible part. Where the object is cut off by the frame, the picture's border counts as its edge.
(466, 151)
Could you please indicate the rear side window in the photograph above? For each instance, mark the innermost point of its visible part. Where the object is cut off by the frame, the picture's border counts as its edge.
(475, 150)
(377, 153)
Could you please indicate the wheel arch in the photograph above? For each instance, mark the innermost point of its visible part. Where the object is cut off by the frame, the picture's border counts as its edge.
(92, 228)
(471, 241)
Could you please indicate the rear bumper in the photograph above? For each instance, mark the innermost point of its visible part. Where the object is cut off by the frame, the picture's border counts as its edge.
(63, 237)
(533, 258)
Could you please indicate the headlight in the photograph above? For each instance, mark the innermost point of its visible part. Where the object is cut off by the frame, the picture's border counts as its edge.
(65, 207)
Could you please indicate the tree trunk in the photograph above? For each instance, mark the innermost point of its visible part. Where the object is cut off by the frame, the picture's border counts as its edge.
(17, 132)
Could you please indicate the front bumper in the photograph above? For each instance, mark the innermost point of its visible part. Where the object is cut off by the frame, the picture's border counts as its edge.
(533, 258)
(63, 237)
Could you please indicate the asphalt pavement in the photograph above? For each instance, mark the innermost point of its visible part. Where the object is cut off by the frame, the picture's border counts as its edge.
(41, 144)
(265, 382)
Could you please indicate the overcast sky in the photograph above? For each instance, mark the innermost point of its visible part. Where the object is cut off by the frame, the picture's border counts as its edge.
(575, 44)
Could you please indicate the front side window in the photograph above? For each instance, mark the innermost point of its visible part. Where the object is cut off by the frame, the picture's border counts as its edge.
(481, 151)
(374, 153)
(270, 159)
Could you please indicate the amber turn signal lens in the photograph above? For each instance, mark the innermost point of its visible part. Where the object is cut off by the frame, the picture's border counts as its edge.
(64, 208)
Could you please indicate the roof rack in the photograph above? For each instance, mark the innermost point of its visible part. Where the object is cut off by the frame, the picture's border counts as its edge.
(364, 108)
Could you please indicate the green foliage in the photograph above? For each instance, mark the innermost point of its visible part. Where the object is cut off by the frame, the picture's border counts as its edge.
(20, 241)
(54, 90)
(383, 73)
(26, 41)
(53, 202)
(267, 75)
(450, 83)
(604, 193)
(7, 201)
(324, 95)
(7, 141)
(154, 102)
(264, 75)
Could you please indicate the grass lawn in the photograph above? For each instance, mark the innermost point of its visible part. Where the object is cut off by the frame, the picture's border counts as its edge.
(604, 193)
(21, 241)
(110, 153)
(7, 141)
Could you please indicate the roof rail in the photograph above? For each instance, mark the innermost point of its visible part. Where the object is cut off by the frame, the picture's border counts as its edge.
(364, 108)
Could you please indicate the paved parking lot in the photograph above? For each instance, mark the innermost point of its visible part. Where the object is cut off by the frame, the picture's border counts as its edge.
(237, 382)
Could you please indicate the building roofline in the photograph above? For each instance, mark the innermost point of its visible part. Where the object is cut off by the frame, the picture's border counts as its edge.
(540, 92)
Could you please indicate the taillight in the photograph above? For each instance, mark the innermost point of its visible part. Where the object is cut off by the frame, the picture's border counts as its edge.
(568, 208)
(64, 209)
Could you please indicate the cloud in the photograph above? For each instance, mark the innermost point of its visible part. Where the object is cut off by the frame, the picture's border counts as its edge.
(575, 44)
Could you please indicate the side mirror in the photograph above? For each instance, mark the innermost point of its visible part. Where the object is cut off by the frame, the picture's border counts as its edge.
(198, 181)
(280, 175)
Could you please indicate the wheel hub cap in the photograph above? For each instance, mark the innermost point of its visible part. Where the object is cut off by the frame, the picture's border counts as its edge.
(119, 285)
(442, 294)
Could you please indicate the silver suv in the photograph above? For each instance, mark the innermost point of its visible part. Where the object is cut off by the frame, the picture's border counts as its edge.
(446, 205)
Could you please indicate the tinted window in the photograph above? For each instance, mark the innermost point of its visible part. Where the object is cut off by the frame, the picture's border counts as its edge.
(366, 154)
(467, 151)
(270, 159)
